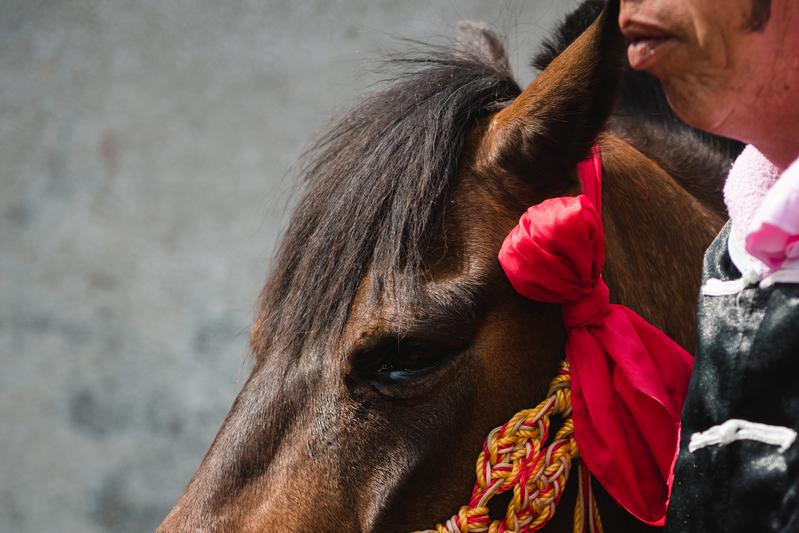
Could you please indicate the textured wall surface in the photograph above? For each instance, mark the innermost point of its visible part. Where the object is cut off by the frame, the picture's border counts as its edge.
(146, 150)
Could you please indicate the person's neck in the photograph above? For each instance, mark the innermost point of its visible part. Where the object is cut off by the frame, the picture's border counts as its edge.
(772, 124)
(782, 150)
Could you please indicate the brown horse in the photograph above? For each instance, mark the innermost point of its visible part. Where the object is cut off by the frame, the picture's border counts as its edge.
(389, 342)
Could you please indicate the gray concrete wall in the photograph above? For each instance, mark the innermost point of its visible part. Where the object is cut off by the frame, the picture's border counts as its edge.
(145, 174)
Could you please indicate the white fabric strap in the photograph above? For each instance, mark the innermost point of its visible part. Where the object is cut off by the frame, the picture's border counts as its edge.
(716, 287)
(735, 429)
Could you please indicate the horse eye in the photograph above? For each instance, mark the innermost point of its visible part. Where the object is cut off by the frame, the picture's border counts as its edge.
(402, 362)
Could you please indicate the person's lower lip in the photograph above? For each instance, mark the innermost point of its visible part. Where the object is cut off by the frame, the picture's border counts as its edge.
(643, 53)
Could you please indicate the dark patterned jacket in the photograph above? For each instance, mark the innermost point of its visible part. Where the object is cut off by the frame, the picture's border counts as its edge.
(738, 465)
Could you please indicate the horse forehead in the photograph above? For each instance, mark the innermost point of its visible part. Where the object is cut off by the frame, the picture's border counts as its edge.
(461, 260)
(440, 298)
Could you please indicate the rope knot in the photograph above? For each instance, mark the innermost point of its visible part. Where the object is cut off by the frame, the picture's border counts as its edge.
(556, 254)
(532, 459)
(588, 311)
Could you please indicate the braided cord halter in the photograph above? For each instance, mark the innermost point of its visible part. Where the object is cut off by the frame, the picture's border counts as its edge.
(520, 456)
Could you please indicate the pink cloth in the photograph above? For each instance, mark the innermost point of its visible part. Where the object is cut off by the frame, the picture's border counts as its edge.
(773, 235)
(628, 379)
(764, 209)
(747, 184)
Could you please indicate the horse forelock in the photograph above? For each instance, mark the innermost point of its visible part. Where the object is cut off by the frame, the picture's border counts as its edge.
(378, 185)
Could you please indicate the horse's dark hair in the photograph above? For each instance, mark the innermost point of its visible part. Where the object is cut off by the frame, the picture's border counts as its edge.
(378, 185)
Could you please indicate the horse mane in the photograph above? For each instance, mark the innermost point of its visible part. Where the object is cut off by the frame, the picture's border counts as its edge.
(643, 117)
(377, 186)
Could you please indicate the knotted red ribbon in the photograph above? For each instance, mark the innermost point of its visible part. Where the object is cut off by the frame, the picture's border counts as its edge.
(628, 379)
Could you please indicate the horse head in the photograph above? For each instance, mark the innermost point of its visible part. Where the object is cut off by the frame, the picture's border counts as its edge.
(388, 341)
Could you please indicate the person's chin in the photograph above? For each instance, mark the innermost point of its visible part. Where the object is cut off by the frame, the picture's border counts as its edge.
(690, 104)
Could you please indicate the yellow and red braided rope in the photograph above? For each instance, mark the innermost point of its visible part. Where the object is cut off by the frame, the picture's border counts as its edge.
(519, 456)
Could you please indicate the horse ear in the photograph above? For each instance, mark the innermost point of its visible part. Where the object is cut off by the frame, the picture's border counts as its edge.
(477, 41)
(553, 123)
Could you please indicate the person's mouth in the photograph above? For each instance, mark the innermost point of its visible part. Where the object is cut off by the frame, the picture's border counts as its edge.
(646, 43)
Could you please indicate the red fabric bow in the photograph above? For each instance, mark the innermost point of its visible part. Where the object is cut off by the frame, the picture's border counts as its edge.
(628, 378)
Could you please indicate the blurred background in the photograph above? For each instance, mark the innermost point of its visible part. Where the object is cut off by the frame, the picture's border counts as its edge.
(147, 153)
